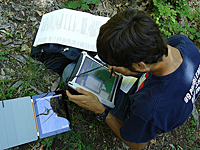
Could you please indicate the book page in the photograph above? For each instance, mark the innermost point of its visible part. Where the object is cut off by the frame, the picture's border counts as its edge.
(50, 114)
(70, 28)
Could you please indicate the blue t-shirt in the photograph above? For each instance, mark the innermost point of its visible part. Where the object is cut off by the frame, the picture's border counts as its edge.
(164, 103)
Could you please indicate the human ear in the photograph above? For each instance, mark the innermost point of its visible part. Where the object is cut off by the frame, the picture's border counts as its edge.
(141, 66)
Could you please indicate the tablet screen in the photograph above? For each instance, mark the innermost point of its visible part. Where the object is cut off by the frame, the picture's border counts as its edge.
(98, 80)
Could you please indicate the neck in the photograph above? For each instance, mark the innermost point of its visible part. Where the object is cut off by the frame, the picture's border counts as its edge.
(169, 64)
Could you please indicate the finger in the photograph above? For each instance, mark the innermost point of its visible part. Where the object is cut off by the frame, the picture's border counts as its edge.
(114, 74)
(74, 97)
(68, 93)
(111, 68)
(82, 91)
(119, 69)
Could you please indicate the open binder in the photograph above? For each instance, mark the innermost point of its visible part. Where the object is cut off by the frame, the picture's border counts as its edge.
(23, 120)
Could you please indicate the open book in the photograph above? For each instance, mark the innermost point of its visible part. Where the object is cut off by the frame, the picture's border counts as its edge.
(25, 119)
(71, 28)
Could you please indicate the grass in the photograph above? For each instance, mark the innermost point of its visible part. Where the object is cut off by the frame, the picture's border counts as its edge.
(85, 129)
(28, 74)
(87, 133)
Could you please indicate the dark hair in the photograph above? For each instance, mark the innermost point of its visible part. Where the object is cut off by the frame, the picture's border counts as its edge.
(129, 37)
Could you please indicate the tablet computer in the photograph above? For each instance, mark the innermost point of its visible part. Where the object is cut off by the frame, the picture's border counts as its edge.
(92, 75)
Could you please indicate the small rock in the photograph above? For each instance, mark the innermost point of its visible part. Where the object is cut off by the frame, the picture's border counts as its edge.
(17, 84)
(4, 26)
(19, 42)
(18, 18)
(34, 88)
(6, 42)
(19, 58)
(33, 19)
(172, 146)
(55, 84)
(2, 73)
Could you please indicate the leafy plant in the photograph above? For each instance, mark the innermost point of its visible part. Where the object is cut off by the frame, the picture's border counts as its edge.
(5, 91)
(2, 54)
(9, 34)
(173, 17)
(74, 140)
(80, 4)
(193, 138)
(193, 123)
(12, 35)
(47, 141)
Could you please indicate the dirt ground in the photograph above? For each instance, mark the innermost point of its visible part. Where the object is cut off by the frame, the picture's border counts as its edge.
(22, 17)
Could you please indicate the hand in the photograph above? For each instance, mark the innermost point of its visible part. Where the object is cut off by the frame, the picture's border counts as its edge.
(87, 100)
(123, 71)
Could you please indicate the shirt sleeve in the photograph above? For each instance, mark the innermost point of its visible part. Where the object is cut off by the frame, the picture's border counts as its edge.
(137, 130)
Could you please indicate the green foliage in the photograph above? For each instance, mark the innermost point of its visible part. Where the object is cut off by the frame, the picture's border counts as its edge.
(12, 35)
(173, 17)
(5, 92)
(193, 138)
(74, 140)
(9, 34)
(193, 123)
(188, 131)
(80, 4)
(28, 74)
(2, 55)
(47, 141)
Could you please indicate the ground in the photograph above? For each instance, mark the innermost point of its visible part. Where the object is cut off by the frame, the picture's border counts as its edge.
(22, 76)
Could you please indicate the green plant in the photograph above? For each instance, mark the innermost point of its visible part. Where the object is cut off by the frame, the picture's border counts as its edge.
(179, 148)
(47, 141)
(59, 136)
(80, 4)
(12, 35)
(74, 140)
(173, 17)
(17, 35)
(193, 123)
(188, 131)
(2, 54)
(193, 138)
(5, 91)
(9, 34)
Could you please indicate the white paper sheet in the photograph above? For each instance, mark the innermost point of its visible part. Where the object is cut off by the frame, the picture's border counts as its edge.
(127, 83)
(71, 28)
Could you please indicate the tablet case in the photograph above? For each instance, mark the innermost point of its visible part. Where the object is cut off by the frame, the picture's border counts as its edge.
(76, 69)
(18, 123)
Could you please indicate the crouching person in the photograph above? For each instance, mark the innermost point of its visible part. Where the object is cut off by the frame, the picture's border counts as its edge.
(168, 78)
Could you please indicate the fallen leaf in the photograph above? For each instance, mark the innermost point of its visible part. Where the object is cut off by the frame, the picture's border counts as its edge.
(153, 141)
(39, 12)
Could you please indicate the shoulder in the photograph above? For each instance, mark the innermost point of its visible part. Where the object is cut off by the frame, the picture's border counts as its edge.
(181, 42)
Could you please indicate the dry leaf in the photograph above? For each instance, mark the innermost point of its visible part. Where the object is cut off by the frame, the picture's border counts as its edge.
(153, 141)
(39, 12)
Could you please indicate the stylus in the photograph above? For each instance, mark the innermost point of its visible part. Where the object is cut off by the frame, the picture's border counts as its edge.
(111, 73)
(84, 73)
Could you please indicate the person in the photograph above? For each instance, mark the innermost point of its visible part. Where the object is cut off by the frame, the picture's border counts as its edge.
(168, 78)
